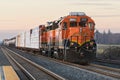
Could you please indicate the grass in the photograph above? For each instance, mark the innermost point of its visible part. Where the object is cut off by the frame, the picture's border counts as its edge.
(102, 47)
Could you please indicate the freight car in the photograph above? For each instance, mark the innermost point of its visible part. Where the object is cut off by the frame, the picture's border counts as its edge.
(69, 38)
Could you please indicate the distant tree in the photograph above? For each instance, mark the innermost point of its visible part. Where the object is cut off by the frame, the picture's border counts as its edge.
(104, 37)
(109, 32)
(107, 38)
(110, 37)
(97, 36)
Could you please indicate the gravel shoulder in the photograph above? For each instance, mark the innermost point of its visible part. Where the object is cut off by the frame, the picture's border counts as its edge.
(3, 60)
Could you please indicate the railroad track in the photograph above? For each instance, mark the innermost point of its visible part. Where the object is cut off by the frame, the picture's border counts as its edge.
(31, 69)
(104, 70)
(109, 61)
(107, 71)
(18, 68)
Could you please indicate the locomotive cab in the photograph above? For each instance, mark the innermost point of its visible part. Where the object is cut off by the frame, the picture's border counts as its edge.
(78, 36)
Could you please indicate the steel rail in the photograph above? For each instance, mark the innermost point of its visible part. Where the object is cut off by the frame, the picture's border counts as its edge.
(87, 67)
(38, 66)
(29, 76)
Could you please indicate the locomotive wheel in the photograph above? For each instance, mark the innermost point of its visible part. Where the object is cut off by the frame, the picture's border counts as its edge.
(61, 55)
(58, 55)
(55, 54)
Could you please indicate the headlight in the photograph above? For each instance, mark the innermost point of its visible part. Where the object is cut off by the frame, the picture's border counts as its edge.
(91, 43)
(72, 44)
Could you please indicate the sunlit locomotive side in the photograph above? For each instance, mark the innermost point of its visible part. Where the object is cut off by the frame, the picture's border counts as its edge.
(48, 38)
(71, 38)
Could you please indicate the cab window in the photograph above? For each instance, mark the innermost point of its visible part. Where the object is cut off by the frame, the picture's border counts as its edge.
(91, 25)
(73, 22)
(83, 22)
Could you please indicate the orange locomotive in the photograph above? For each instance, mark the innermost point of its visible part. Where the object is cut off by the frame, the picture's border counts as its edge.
(70, 38)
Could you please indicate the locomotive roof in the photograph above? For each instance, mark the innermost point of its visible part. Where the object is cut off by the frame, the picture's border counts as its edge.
(77, 14)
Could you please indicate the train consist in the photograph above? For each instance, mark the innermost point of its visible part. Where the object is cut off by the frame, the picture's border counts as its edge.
(70, 38)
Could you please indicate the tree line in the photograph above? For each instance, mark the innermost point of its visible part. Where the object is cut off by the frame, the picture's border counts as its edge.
(107, 38)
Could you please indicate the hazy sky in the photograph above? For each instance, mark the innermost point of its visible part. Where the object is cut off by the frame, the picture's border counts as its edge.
(20, 15)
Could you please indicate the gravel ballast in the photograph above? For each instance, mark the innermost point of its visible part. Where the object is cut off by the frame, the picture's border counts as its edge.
(66, 71)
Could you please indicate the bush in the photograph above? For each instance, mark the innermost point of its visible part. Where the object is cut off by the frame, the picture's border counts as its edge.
(112, 53)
